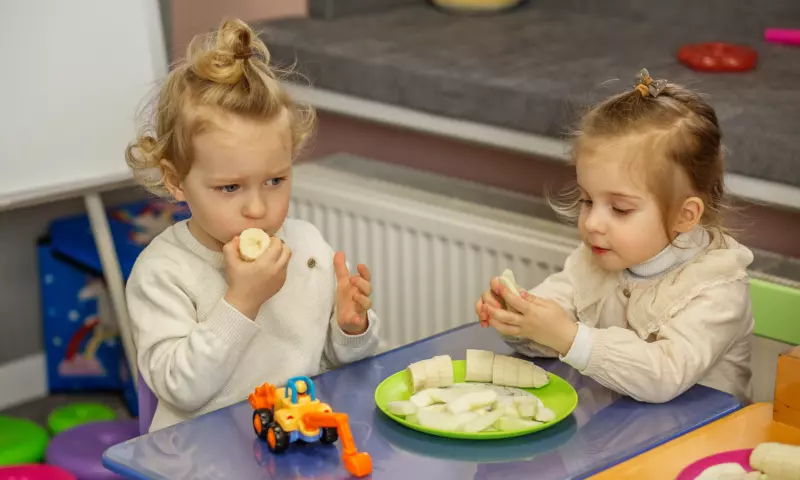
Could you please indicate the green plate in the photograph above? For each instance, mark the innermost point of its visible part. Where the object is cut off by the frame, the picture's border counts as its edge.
(558, 395)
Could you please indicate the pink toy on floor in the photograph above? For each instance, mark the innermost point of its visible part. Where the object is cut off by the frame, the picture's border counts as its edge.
(785, 36)
(35, 472)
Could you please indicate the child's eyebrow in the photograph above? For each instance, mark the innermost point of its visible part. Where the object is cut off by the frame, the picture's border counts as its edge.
(230, 179)
(625, 196)
(280, 173)
(226, 179)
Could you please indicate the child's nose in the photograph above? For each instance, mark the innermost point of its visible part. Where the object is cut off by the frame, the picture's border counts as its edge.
(595, 223)
(255, 207)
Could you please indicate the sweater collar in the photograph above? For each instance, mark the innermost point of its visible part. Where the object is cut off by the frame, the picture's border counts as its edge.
(685, 247)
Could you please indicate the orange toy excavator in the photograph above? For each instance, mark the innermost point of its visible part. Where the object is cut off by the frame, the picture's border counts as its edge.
(282, 416)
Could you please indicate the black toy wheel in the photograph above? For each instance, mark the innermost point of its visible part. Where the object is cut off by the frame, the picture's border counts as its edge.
(329, 435)
(277, 439)
(261, 420)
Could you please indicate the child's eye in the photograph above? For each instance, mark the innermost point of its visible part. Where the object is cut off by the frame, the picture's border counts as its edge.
(620, 211)
(274, 182)
(228, 188)
(585, 202)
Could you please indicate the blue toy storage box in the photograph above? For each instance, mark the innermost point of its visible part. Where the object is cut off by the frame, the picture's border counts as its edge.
(81, 339)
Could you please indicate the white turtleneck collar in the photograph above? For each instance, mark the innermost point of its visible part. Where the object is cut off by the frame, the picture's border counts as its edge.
(685, 247)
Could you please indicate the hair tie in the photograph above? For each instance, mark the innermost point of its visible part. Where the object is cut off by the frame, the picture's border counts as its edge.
(244, 55)
(647, 86)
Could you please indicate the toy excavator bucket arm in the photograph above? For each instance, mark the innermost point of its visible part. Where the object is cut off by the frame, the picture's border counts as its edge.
(263, 397)
(357, 463)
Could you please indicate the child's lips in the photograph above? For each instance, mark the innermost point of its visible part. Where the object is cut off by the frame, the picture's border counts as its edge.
(599, 250)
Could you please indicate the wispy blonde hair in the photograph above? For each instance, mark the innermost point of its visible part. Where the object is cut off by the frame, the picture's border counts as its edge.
(678, 129)
(227, 70)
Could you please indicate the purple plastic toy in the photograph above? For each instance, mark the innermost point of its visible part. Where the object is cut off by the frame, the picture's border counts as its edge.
(79, 450)
(34, 472)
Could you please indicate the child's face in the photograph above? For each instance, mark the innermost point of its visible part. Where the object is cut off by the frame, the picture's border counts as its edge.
(620, 220)
(240, 178)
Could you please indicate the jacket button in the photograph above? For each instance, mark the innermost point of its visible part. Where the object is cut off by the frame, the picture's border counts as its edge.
(311, 262)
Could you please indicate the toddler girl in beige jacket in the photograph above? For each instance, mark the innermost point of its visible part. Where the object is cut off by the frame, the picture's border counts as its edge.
(656, 297)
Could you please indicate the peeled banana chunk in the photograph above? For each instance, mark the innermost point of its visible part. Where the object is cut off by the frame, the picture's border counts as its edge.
(252, 243)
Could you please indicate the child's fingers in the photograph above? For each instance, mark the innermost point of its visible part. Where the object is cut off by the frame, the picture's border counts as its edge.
(364, 272)
(504, 328)
(363, 302)
(527, 296)
(504, 316)
(514, 301)
(340, 266)
(230, 251)
(285, 255)
(490, 298)
(355, 322)
(480, 311)
(273, 251)
(361, 284)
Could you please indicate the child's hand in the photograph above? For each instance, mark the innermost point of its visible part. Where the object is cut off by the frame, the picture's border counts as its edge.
(250, 284)
(489, 298)
(352, 296)
(543, 321)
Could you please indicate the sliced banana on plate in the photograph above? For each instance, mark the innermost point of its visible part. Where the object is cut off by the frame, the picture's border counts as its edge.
(430, 373)
(479, 365)
(490, 398)
(486, 366)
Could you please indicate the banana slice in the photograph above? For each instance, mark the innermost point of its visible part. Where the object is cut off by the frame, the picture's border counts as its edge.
(515, 372)
(527, 410)
(252, 243)
(472, 400)
(544, 415)
(482, 422)
(430, 373)
(510, 424)
(432, 378)
(444, 366)
(498, 370)
(507, 279)
(422, 399)
(778, 460)
(479, 365)
(403, 408)
(722, 470)
(417, 377)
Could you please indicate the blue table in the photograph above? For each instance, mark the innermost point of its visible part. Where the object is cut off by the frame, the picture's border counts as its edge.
(604, 430)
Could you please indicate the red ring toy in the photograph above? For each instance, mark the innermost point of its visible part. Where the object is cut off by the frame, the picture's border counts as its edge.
(718, 57)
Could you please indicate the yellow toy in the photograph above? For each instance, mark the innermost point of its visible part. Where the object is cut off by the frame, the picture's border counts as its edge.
(285, 415)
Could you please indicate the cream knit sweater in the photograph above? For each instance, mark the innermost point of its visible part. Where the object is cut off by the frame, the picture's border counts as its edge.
(198, 354)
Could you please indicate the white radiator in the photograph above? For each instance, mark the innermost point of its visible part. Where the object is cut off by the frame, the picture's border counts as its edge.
(431, 256)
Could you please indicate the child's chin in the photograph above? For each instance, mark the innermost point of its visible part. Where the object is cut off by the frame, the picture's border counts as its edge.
(611, 265)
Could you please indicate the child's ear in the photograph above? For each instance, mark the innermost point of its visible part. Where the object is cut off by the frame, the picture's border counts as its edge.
(689, 214)
(172, 180)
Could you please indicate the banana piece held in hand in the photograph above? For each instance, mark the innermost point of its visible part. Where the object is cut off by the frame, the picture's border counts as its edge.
(508, 280)
(252, 243)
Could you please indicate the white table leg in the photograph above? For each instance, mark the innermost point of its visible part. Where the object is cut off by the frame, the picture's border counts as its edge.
(113, 276)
